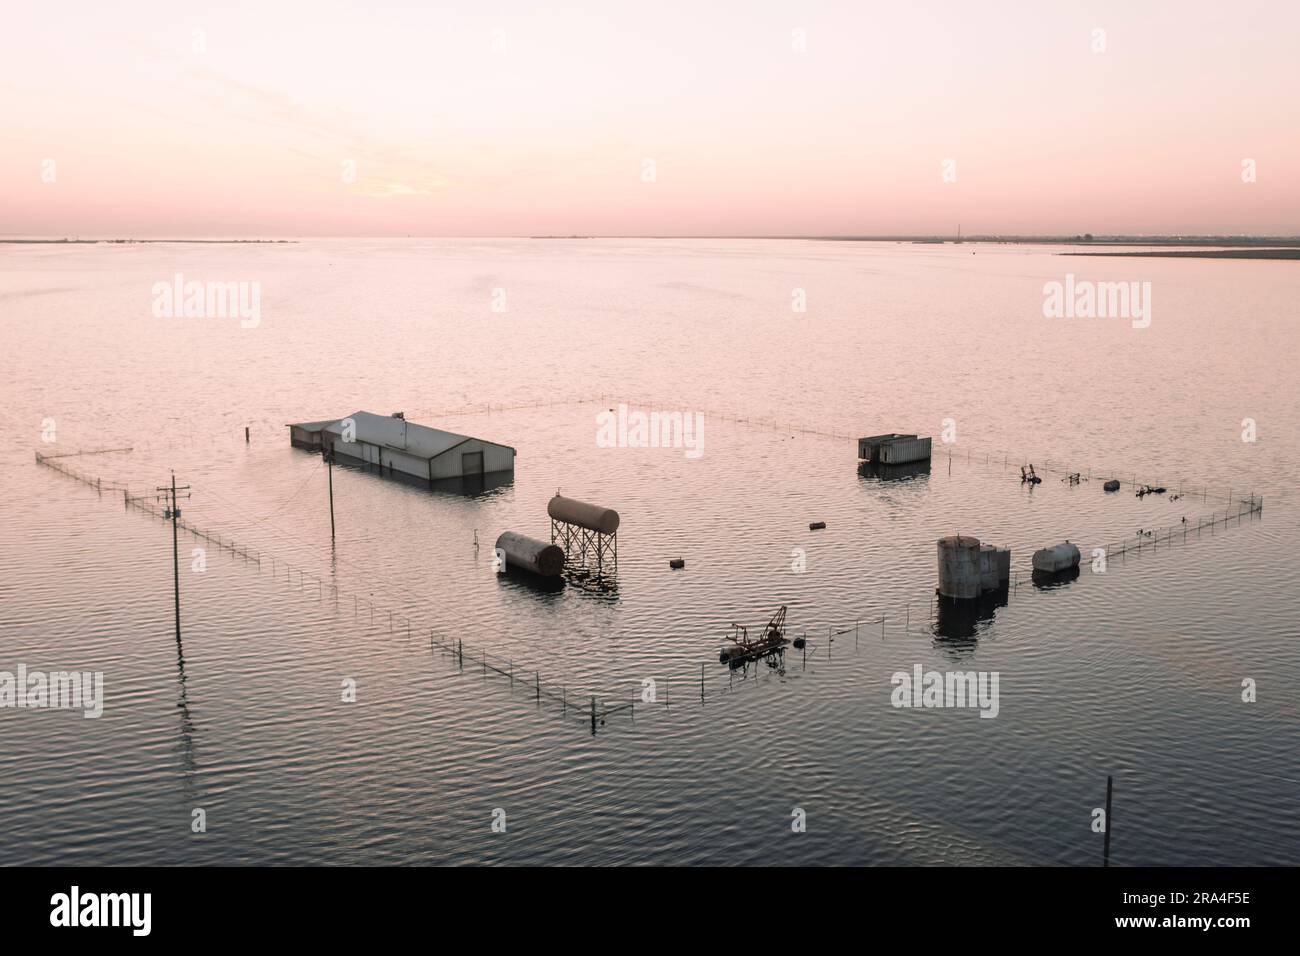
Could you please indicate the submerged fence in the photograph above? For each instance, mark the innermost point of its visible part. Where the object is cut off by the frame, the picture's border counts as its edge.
(595, 707)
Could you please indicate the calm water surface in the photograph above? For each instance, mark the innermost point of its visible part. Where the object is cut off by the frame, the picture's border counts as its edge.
(1135, 673)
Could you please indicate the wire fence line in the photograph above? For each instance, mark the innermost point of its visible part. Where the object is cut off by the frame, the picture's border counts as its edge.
(594, 709)
(581, 704)
(241, 434)
(595, 706)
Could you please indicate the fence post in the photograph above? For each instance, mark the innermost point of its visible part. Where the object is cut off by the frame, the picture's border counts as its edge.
(1105, 859)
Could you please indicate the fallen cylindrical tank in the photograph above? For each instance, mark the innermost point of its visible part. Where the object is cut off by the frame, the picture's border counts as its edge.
(530, 554)
(1059, 557)
(959, 567)
(584, 515)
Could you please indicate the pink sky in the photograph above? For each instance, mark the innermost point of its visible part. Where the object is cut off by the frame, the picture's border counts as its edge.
(520, 119)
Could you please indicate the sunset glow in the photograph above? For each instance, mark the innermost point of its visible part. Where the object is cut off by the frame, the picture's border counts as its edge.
(193, 119)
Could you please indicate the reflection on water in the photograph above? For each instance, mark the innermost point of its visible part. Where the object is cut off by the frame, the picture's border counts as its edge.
(1051, 580)
(407, 774)
(884, 472)
(520, 579)
(958, 622)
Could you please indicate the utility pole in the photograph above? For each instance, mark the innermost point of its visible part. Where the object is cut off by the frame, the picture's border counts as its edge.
(329, 460)
(174, 513)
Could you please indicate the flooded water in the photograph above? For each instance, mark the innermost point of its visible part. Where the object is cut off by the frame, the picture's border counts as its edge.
(1136, 672)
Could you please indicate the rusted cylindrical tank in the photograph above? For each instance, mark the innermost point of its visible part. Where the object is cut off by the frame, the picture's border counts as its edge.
(959, 567)
(584, 515)
(530, 554)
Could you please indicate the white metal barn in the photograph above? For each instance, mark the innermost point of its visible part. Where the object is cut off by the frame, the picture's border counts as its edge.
(391, 442)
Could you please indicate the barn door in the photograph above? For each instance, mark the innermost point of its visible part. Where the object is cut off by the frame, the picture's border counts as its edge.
(471, 463)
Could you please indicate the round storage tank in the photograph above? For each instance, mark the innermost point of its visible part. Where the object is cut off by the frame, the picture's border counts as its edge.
(530, 554)
(959, 567)
(584, 515)
(1057, 558)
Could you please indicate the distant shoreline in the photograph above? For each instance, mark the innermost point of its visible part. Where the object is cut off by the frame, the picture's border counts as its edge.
(1170, 241)
(1271, 245)
(1289, 253)
(95, 242)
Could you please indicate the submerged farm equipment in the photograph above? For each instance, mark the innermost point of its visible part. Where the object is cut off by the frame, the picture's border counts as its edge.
(743, 648)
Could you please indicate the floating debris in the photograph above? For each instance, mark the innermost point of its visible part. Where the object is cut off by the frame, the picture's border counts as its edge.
(1027, 475)
(1112, 485)
(817, 526)
(677, 563)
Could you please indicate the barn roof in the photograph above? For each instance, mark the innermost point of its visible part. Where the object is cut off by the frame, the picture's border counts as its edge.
(395, 433)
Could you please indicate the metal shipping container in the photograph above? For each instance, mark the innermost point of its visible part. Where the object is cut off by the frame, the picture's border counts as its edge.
(904, 450)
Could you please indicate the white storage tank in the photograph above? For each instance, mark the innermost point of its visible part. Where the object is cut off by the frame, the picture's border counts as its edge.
(959, 567)
(1059, 557)
(584, 515)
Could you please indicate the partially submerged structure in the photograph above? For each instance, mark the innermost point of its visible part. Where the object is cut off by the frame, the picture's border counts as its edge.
(520, 551)
(743, 648)
(1056, 559)
(893, 449)
(588, 534)
(968, 568)
(390, 441)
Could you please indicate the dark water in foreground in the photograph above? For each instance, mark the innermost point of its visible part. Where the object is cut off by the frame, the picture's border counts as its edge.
(1135, 673)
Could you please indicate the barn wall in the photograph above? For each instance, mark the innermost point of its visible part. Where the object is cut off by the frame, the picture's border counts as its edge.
(356, 450)
(366, 453)
(495, 458)
(407, 464)
(302, 438)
